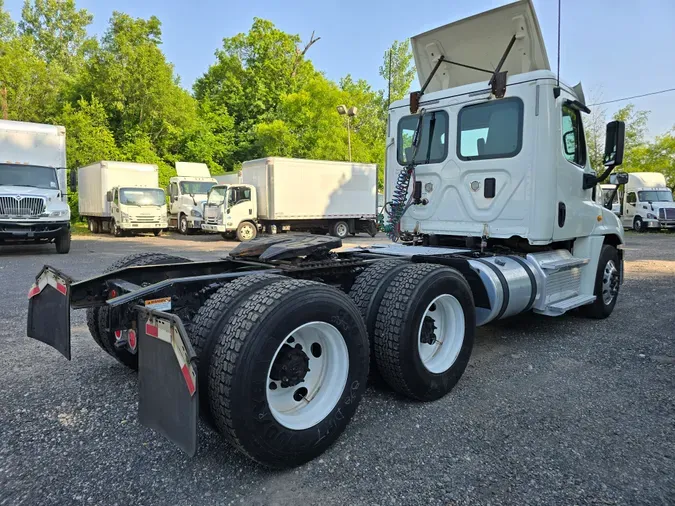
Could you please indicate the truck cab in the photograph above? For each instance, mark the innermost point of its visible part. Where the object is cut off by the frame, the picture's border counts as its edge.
(137, 209)
(33, 193)
(647, 202)
(230, 210)
(187, 195)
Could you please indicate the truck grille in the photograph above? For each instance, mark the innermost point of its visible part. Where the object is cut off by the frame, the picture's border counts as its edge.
(22, 206)
(211, 214)
(667, 213)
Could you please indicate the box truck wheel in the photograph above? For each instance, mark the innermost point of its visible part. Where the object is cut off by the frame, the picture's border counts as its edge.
(424, 331)
(246, 231)
(97, 318)
(157, 232)
(114, 229)
(339, 229)
(606, 284)
(288, 371)
(367, 292)
(209, 321)
(94, 226)
(62, 243)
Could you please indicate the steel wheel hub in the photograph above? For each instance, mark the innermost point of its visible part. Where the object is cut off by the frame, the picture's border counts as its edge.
(441, 334)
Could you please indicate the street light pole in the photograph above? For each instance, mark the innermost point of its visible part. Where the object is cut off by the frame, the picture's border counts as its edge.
(351, 112)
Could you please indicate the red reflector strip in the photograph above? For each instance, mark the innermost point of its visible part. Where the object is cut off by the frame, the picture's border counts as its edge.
(34, 290)
(61, 288)
(188, 379)
(151, 330)
(118, 335)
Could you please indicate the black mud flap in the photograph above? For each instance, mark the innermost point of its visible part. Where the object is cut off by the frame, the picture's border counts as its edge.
(167, 379)
(49, 310)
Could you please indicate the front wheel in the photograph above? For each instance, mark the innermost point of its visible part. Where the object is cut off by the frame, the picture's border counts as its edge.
(638, 224)
(183, 225)
(62, 243)
(115, 229)
(246, 231)
(157, 232)
(607, 282)
(288, 372)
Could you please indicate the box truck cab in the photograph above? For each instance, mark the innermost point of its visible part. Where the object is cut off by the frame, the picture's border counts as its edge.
(122, 198)
(33, 193)
(647, 202)
(231, 211)
(187, 195)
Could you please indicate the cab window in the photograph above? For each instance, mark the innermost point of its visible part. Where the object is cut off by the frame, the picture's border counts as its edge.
(631, 198)
(433, 144)
(574, 144)
(490, 130)
(239, 194)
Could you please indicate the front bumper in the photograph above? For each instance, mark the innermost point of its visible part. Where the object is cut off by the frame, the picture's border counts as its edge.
(30, 230)
(194, 222)
(214, 228)
(143, 226)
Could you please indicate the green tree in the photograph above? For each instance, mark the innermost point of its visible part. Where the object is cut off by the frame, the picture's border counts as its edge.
(636, 130)
(7, 26)
(31, 84)
(89, 139)
(252, 73)
(399, 70)
(59, 30)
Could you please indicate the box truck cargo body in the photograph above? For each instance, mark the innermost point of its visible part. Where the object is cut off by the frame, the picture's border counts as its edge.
(283, 194)
(33, 193)
(120, 197)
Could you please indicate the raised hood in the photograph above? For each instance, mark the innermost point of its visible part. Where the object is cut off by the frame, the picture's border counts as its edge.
(480, 41)
(189, 169)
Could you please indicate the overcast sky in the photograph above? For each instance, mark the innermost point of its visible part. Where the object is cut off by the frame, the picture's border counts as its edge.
(616, 48)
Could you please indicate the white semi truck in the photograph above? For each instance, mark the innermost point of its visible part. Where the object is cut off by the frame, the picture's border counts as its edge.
(121, 198)
(490, 199)
(283, 194)
(33, 193)
(187, 195)
(647, 202)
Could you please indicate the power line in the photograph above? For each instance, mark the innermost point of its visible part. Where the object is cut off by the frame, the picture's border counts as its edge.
(634, 96)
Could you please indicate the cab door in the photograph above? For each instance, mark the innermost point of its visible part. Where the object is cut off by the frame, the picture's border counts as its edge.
(115, 205)
(173, 198)
(630, 209)
(240, 204)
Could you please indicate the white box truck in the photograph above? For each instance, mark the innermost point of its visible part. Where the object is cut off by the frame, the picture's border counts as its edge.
(283, 194)
(495, 215)
(33, 193)
(187, 195)
(647, 202)
(122, 198)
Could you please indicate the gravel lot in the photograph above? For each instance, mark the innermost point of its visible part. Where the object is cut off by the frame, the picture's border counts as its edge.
(550, 411)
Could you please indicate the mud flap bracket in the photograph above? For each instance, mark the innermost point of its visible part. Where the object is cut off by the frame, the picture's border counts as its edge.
(167, 379)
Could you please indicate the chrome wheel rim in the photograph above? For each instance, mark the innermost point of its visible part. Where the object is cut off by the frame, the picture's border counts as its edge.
(610, 282)
(441, 334)
(307, 375)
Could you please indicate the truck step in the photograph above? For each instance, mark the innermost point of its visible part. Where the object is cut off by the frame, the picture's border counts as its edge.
(563, 263)
(563, 306)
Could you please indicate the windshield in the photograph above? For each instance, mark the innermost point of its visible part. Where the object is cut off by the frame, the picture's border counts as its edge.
(217, 195)
(142, 197)
(195, 187)
(655, 196)
(28, 175)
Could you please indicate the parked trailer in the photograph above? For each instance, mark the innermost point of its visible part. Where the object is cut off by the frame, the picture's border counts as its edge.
(33, 203)
(284, 194)
(272, 345)
(121, 198)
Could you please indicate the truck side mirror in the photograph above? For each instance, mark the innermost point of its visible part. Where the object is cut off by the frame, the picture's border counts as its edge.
(621, 178)
(109, 196)
(72, 180)
(614, 143)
